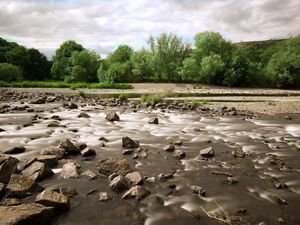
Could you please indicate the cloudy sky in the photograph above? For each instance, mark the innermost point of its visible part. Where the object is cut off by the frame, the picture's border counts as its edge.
(104, 24)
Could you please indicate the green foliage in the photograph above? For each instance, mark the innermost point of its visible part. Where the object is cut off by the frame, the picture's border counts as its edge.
(123, 97)
(151, 99)
(190, 70)
(9, 72)
(142, 68)
(212, 69)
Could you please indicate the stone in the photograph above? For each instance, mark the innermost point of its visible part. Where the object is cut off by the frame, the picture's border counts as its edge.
(88, 152)
(238, 153)
(138, 192)
(58, 152)
(198, 190)
(2, 187)
(83, 115)
(103, 197)
(112, 116)
(50, 161)
(70, 105)
(112, 165)
(153, 120)
(37, 171)
(134, 178)
(22, 186)
(232, 180)
(227, 174)
(179, 154)
(279, 200)
(119, 183)
(11, 202)
(129, 143)
(287, 117)
(207, 152)
(89, 174)
(81, 146)
(53, 199)
(127, 151)
(168, 148)
(151, 180)
(2, 130)
(69, 171)
(15, 150)
(164, 177)
(177, 142)
(25, 214)
(68, 191)
(69, 147)
(56, 117)
(8, 166)
(41, 100)
(103, 139)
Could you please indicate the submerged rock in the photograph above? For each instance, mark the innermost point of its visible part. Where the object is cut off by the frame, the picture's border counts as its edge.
(68, 191)
(112, 116)
(53, 199)
(25, 214)
(83, 115)
(207, 152)
(8, 166)
(232, 180)
(15, 150)
(129, 143)
(138, 192)
(112, 165)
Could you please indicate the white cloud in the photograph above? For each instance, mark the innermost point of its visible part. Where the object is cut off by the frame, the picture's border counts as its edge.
(104, 24)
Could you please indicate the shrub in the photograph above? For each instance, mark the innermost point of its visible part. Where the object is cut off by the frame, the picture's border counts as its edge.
(9, 72)
(154, 99)
(123, 97)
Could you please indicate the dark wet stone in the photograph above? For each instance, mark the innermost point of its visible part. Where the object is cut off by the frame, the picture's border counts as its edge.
(112, 116)
(55, 117)
(112, 165)
(68, 191)
(41, 100)
(69, 171)
(119, 183)
(198, 190)
(168, 148)
(138, 192)
(37, 171)
(69, 147)
(179, 154)
(8, 166)
(177, 142)
(153, 120)
(287, 117)
(134, 178)
(164, 177)
(2, 130)
(238, 153)
(15, 150)
(88, 152)
(25, 214)
(279, 200)
(83, 115)
(22, 186)
(81, 146)
(30, 110)
(227, 174)
(70, 105)
(103, 139)
(89, 174)
(50, 161)
(129, 143)
(53, 199)
(207, 152)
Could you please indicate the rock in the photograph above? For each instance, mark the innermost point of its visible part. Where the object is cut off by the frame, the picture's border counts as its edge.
(88, 152)
(53, 199)
(37, 171)
(164, 177)
(2, 187)
(81, 146)
(69, 171)
(11, 202)
(21, 186)
(179, 154)
(287, 117)
(25, 214)
(50, 161)
(127, 151)
(58, 152)
(83, 115)
(70, 105)
(69, 147)
(198, 190)
(41, 100)
(119, 183)
(134, 178)
(207, 152)
(103, 139)
(68, 191)
(227, 174)
(15, 150)
(103, 197)
(150, 180)
(89, 174)
(8, 166)
(168, 148)
(279, 200)
(112, 116)
(53, 124)
(129, 143)
(153, 120)
(112, 165)
(2, 130)
(56, 117)
(238, 153)
(138, 192)
(261, 223)
(232, 180)
(281, 221)
(177, 142)
(30, 110)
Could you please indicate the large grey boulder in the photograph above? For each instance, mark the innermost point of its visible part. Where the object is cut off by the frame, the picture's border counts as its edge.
(112, 165)
(8, 166)
(25, 214)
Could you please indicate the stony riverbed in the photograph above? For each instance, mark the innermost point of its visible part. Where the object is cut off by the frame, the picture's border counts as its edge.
(68, 160)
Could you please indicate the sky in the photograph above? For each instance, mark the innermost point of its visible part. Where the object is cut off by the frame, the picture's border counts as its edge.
(102, 25)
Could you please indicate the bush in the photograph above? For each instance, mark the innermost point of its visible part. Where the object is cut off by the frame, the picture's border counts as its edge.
(151, 99)
(123, 97)
(9, 72)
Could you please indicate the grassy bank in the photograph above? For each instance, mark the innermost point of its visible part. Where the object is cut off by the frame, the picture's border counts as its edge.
(58, 84)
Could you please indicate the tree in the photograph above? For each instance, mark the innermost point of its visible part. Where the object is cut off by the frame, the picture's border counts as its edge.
(61, 59)
(142, 68)
(122, 54)
(9, 72)
(212, 69)
(190, 70)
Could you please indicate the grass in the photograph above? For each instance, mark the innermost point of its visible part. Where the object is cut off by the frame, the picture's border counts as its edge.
(61, 84)
(196, 103)
(123, 97)
(151, 99)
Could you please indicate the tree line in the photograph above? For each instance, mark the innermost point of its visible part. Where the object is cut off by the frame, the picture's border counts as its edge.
(212, 60)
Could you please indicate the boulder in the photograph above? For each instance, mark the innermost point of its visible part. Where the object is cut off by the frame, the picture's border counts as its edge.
(207, 152)
(8, 166)
(25, 214)
(88, 152)
(69, 147)
(58, 152)
(179, 154)
(118, 183)
(112, 116)
(112, 165)
(168, 148)
(129, 143)
(50, 161)
(15, 150)
(69, 171)
(153, 120)
(138, 192)
(22, 186)
(134, 178)
(53, 199)
(103, 197)
(83, 115)
(37, 171)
